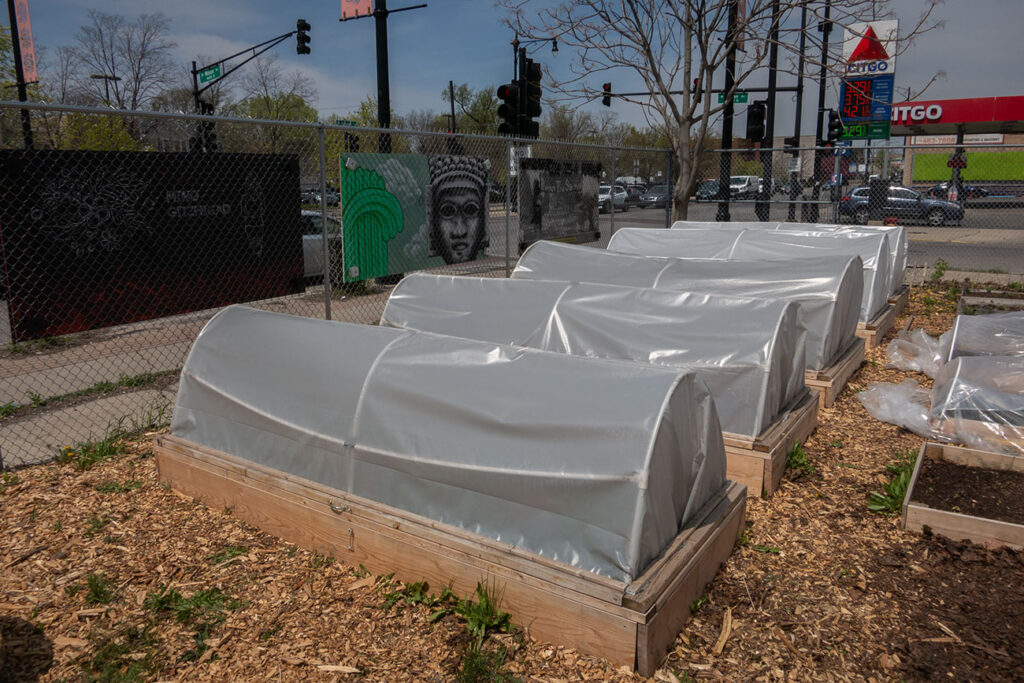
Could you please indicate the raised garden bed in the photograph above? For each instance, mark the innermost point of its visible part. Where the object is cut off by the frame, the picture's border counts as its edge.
(967, 494)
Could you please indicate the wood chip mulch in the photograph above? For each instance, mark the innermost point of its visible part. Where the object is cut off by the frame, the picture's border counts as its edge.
(106, 575)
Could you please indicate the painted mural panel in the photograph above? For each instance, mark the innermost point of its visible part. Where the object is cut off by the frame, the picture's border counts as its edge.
(405, 212)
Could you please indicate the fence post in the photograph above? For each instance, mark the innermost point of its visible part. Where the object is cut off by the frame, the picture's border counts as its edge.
(611, 199)
(670, 188)
(508, 207)
(328, 278)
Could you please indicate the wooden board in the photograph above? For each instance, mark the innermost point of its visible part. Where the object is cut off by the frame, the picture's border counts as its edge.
(879, 326)
(631, 625)
(993, 533)
(759, 463)
(830, 381)
(899, 299)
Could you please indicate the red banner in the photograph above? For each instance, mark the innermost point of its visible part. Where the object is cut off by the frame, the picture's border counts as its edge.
(353, 9)
(28, 48)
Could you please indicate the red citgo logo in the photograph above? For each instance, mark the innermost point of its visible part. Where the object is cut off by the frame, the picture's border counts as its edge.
(870, 47)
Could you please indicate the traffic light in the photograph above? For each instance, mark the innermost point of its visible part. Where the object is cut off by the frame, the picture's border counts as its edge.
(835, 126)
(351, 142)
(755, 120)
(508, 110)
(207, 135)
(607, 99)
(531, 92)
(301, 37)
(791, 142)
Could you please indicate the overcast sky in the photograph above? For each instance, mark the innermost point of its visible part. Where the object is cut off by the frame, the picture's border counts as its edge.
(980, 48)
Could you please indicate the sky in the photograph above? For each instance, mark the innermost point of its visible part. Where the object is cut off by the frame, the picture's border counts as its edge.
(465, 41)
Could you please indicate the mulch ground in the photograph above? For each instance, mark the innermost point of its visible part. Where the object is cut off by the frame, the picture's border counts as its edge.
(106, 575)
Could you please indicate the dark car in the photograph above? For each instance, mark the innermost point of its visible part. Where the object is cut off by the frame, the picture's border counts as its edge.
(941, 191)
(656, 197)
(904, 204)
(707, 191)
(633, 194)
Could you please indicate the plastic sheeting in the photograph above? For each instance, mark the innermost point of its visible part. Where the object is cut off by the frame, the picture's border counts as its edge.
(896, 234)
(979, 400)
(751, 377)
(998, 334)
(749, 246)
(905, 404)
(827, 288)
(917, 351)
(593, 463)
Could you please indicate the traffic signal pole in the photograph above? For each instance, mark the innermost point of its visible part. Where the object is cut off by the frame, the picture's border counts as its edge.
(725, 160)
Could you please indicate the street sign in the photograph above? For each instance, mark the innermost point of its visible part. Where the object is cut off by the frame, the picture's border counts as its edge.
(793, 165)
(210, 74)
(737, 98)
(345, 122)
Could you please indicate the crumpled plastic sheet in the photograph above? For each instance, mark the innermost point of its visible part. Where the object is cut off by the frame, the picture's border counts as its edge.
(917, 351)
(905, 404)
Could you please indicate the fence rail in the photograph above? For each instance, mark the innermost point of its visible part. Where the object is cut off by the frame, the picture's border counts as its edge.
(124, 232)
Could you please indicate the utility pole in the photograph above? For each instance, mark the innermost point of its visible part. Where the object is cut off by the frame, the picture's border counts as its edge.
(19, 73)
(380, 16)
(825, 27)
(725, 165)
(763, 209)
(794, 178)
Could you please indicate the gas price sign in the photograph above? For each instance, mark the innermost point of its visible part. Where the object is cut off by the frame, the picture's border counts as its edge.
(866, 99)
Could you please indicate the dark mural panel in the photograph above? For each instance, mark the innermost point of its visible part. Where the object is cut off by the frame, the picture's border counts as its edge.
(558, 200)
(93, 239)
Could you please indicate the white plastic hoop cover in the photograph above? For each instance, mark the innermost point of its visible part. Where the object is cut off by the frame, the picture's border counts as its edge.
(592, 463)
(980, 400)
(998, 334)
(765, 245)
(827, 289)
(896, 235)
(752, 377)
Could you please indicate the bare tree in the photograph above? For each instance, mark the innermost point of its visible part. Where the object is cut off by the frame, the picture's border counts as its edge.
(137, 54)
(567, 124)
(673, 44)
(269, 93)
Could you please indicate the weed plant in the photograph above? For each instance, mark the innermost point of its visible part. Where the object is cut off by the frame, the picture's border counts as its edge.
(797, 460)
(100, 590)
(890, 499)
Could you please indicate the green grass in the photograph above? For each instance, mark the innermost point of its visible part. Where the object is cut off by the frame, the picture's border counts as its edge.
(95, 524)
(127, 656)
(484, 614)
(890, 499)
(228, 553)
(8, 480)
(981, 166)
(104, 387)
(483, 665)
(8, 409)
(37, 345)
(767, 549)
(203, 611)
(100, 589)
(84, 455)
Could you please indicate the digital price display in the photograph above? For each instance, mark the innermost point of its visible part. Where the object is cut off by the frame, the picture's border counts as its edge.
(857, 100)
(866, 99)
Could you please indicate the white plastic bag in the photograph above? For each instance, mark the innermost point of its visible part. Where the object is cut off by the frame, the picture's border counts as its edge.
(905, 404)
(917, 351)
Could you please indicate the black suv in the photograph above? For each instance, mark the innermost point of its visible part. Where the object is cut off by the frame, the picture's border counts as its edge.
(904, 204)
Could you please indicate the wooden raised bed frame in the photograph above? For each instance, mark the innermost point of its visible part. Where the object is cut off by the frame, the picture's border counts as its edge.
(760, 462)
(830, 381)
(876, 328)
(631, 624)
(900, 298)
(993, 533)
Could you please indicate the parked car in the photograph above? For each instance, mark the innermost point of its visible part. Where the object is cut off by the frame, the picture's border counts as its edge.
(656, 197)
(309, 196)
(312, 241)
(941, 191)
(744, 186)
(605, 199)
(903, 203)
(707, 191)
(633, 194)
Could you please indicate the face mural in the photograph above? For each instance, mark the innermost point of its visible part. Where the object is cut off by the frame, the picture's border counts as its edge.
(457, 211)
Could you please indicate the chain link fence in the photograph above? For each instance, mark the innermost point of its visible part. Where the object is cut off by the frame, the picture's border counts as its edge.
(123, 233)
(962, 205)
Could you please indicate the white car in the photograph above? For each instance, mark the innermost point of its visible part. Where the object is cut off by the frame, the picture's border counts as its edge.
(604, 198)
(744, 186)
(312, 241)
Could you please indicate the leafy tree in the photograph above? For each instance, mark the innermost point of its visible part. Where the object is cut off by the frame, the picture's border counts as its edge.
(476, 111)
(668, 44)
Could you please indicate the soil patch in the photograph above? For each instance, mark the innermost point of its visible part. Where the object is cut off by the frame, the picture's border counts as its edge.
(974, 491)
